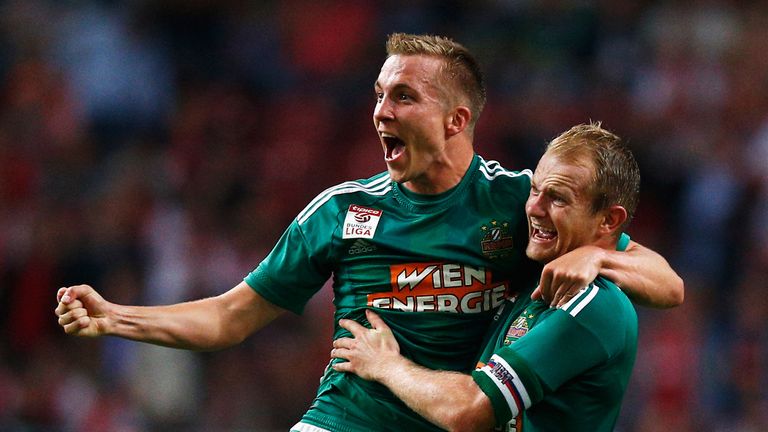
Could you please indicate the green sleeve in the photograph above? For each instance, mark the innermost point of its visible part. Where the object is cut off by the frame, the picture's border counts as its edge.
(563, 344)
(559, 348)
(292, 273)
(585, 332)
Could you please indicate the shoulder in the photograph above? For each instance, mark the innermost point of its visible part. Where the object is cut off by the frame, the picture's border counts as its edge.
(502, 180)
(336, 196)
(493, 170)
(601, 300)
(604, 311)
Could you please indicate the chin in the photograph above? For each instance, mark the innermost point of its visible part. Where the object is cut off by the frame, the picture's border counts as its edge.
(395, 176)
(539, 255)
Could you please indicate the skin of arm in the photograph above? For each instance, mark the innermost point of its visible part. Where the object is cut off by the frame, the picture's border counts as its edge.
(202, 325)
(451, 400)
(644, 275)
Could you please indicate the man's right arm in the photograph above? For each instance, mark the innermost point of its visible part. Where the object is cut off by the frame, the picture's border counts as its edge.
(202, 325)
(451, 400)
(516, 377)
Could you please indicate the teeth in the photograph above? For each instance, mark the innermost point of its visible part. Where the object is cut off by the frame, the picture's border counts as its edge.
(387, 135)
(542, 229)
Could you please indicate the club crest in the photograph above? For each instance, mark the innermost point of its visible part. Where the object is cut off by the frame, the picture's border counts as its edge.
(496, 239)
(517, 330)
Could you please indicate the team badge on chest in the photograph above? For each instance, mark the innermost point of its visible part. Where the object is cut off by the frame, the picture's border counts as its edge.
(496, 241)
(361, 222)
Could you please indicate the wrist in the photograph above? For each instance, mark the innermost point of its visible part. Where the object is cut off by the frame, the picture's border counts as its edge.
(390, 365)
(603, 257)
(110, 319)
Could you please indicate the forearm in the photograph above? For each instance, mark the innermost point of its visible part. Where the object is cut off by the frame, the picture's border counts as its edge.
(201, 325)
(645, 276)
(194, 325)
(450, 400)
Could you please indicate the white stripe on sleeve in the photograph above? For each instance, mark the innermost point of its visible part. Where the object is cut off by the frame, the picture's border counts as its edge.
(581, 301)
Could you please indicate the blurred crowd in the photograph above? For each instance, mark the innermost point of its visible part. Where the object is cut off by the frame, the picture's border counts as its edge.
(157, 150)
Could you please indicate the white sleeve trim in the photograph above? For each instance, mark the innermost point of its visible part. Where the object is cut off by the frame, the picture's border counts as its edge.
(304, 427)
(581, 300)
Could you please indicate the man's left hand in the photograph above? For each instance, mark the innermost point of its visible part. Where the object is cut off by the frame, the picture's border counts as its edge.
(563, 277)
(370, 351)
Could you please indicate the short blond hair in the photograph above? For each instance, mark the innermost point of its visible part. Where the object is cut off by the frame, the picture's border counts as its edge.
(461, 68)
(616, 175)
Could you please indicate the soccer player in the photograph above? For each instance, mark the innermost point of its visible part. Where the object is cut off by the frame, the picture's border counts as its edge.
(435, 243)
(544, 369)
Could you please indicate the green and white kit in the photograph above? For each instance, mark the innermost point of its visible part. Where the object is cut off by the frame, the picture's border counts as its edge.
(435, 267)
(548, 369)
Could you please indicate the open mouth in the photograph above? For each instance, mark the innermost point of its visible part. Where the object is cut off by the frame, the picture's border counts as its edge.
(542, 234)
(394, 146)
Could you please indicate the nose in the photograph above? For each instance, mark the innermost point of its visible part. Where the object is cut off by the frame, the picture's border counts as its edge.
(534, 205)
(383, 110)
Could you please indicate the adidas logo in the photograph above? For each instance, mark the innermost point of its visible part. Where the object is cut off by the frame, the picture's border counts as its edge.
(360, 246)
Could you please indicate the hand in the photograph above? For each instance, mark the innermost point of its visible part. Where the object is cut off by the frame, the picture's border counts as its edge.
(563, 277)
(82, 311)
(370, 351)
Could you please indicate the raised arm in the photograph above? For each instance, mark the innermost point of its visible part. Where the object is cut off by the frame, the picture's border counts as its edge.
(450, 400)
(644, 275)
(201, 325)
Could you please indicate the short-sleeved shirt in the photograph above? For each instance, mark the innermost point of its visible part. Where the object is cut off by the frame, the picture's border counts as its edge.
(435, 267)
(562, 368)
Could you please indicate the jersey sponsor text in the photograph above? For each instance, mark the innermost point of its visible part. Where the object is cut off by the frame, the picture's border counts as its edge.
(440, 287)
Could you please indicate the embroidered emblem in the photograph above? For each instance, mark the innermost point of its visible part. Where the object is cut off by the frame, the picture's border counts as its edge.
(497, 240)
(519, 327)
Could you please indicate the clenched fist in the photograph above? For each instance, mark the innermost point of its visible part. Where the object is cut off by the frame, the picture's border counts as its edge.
(82, 311)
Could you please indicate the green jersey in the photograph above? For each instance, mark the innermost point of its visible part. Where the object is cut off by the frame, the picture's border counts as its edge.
(550, 369)
(435, 267)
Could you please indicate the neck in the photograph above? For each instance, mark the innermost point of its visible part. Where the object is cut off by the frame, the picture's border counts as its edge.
(446, 171)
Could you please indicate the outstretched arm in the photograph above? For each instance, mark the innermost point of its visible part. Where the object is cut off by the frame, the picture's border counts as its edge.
(644, 275)
(207, 324)
(450, 400)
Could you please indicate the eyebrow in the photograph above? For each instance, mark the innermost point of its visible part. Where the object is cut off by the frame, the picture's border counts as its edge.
(398, 86)
(554, 189)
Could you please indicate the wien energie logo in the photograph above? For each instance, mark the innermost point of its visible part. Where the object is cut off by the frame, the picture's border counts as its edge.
(440, 287)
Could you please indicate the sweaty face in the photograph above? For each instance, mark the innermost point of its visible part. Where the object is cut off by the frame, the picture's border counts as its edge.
(559, 212)
(410, 118)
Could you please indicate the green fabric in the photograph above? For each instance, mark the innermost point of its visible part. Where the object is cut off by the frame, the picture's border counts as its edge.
(436, 268)
(580, 355)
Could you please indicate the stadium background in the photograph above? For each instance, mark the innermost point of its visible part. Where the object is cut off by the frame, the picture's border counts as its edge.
(157, 150)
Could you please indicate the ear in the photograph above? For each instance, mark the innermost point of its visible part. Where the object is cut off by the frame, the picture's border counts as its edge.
(613, 218)
(458, 120)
